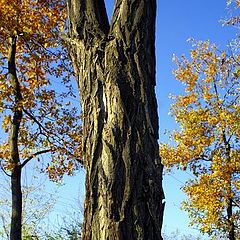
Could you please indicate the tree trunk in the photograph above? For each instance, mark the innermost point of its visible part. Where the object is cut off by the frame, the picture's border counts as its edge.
(115, 70)
(231, 233)
(231, 227)
(16, 219)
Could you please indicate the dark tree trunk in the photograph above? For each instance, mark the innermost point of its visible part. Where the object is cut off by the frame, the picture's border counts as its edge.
(231, 227)
(16, 219)
(115, 70)
(231, 233)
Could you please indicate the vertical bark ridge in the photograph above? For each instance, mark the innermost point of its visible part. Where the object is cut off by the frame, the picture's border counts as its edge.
(115, 70)
(88, 19)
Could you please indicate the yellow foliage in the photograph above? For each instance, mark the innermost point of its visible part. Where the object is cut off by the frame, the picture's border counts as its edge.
(208, 141)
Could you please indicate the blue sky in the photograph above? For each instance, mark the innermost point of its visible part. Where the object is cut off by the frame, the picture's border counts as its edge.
(176, 22)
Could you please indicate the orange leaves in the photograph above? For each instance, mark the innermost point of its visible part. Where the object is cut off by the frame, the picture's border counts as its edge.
(48, 125)
(55, 172)
(186, 74)
(35, 23)
(5, 153)
(31, 17)
(180, 154)
(209, 197)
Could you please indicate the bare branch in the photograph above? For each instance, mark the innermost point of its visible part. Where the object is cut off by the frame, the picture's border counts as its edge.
(1, 166)
(35, 120)
(34, 155)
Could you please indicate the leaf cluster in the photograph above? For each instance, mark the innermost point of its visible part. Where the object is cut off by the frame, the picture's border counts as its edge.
(50, 124)
(208, 140)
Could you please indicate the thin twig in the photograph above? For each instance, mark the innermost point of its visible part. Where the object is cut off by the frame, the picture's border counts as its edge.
(4, 170)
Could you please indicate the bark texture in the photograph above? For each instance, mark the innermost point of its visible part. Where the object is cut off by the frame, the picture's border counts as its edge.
(115, 69)
(16, 219)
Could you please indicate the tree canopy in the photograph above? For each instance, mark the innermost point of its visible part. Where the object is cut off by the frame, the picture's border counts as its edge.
(31, 55)
(207, 142)
(36, 119)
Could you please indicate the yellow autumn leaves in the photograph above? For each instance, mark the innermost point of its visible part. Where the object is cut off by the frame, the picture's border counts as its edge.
(208, 141)
(40, 58)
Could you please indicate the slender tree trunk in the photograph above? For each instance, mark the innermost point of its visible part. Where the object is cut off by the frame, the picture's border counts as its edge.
(16, 219)
(231, 233)
(231, 227)
(115, 70)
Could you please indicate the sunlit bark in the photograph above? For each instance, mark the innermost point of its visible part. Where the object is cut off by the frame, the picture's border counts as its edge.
(115, 69)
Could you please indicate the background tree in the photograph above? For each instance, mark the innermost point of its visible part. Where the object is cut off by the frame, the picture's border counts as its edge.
(177, 235)
(115, 70)
(35, 118)
(233, 18)
(37, 205)
(70, 228)
(207, 142)
(39, 219)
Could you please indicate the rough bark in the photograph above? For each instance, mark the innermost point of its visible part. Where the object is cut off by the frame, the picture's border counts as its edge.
(16, 219)
(115, 69)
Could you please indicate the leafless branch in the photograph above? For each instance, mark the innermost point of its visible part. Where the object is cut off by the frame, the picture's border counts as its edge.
(34, 155)
(1, 166)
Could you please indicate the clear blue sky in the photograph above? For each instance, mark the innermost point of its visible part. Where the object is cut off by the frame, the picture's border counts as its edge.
(176, 22)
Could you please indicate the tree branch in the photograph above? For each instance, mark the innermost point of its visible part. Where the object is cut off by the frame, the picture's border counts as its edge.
(34, 155)
(35, 120)
(5, 228)
(4, 169)
(48, 134)
(236, 204)
(17, 111)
